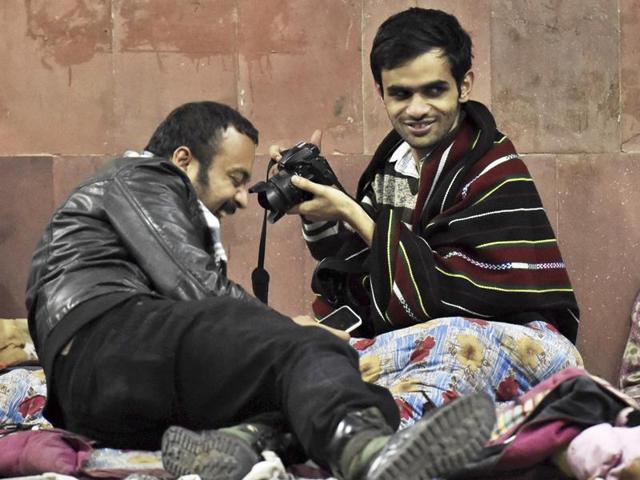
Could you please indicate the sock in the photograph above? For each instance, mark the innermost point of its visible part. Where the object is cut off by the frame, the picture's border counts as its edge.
(359, 453)
(246, 432)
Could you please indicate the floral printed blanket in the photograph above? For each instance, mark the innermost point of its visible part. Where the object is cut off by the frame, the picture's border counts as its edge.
(427, 365)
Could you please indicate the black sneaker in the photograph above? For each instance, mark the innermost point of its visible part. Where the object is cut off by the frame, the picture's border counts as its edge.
(439, 444)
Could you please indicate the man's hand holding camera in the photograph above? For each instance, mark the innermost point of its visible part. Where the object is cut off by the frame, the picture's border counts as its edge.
(327, 202)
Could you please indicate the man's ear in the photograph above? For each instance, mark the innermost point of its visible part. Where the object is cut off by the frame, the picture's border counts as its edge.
(182, 158)
(379, 89)
(466, 86)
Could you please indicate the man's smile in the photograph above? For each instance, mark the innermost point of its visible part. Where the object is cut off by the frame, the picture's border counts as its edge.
(419, 128)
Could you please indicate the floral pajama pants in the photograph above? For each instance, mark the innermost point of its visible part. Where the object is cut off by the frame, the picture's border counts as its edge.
(433, 363)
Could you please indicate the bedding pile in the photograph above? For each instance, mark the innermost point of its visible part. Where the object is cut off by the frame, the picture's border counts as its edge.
(571, 413)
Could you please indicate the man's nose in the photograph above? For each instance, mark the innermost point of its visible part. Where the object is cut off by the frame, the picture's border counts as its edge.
(418, 107)
(242, 197)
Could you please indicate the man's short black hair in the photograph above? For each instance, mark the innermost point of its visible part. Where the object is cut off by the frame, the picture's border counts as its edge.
(415, 31)
(198, 125)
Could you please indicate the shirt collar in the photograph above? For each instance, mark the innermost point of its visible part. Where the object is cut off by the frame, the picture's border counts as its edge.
(405, 165)
(213, 223)
(134, 153)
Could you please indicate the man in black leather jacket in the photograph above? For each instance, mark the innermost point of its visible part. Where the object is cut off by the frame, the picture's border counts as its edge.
(138, 327)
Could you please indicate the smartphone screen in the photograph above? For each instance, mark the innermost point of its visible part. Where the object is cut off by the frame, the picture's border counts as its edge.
(343, 318)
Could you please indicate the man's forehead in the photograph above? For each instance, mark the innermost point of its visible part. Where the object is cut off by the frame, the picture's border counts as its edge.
(430, 66)
(236, 155)
(231, 141)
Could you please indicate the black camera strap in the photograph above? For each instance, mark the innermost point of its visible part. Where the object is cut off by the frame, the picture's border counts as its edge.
(259, 276)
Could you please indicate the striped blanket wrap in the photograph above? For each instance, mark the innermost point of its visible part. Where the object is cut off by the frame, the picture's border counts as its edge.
(476, 243)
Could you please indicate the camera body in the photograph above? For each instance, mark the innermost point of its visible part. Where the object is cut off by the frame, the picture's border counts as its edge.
(278, 195)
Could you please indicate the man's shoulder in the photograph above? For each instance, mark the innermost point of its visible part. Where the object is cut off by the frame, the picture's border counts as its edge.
(128, 163)
(129, 167)
(501, 153)
(144, 171)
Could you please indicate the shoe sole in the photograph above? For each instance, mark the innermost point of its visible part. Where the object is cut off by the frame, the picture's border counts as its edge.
(212, 455)
(439, 445)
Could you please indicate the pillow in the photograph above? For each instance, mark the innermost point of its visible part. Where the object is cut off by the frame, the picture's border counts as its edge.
(38, 451)
(16, 346)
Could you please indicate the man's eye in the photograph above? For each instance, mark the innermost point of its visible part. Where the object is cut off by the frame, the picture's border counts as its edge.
(400, 95)
(435, 91)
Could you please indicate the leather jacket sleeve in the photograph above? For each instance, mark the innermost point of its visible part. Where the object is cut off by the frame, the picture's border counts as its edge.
(153, 207)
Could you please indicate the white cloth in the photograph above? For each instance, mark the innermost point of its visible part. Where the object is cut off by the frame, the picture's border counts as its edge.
(214, 228)
(134, 153)
(604, 451)
(271, 468)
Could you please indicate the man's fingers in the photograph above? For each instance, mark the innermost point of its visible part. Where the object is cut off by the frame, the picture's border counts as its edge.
(274, 152)
(307, 321)
(306, 185)
(338, 333)
(273, 170)
(295, 210)
(316, 138)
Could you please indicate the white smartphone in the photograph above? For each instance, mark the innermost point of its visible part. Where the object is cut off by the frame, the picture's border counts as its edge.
(342, 318)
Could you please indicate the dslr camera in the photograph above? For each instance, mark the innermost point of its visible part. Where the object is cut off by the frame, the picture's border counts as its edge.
(278, 195)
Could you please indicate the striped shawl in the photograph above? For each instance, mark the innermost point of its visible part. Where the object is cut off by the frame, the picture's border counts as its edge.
(477, 242)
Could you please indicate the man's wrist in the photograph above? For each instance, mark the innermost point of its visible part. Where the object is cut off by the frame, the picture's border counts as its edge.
(350, 211)
(359, 221)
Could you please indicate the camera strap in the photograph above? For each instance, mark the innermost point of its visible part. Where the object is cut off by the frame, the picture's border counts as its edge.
(259, 276)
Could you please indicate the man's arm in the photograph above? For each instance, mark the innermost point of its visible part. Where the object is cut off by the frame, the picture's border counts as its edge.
(493, 254)
(323, 231)
(155, 212)
(330, 204)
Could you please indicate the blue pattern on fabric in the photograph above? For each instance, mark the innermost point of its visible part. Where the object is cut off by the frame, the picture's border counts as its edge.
(448, 357)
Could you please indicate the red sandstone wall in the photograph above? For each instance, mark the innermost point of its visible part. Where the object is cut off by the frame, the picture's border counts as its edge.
(81, 80)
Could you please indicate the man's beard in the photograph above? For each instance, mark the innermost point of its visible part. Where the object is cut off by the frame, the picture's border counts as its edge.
(228, 208)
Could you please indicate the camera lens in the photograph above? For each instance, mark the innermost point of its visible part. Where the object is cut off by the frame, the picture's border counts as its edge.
(277, 195)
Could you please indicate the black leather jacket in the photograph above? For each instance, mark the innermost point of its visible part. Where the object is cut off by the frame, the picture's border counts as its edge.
(135, 227)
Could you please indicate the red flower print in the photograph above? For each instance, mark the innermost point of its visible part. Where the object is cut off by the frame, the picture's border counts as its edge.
(31, 405)
(364, 343)
(450, 395)
(551, 327)
(477, 321)
(508, 389)
(406, 410)
(422, 350)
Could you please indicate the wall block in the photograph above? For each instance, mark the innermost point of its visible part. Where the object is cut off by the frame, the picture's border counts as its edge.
(555, 74)
(600, 238)
(26, 202)
(630, 71)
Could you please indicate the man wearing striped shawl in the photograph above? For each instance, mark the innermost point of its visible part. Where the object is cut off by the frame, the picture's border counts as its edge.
(446, 228)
